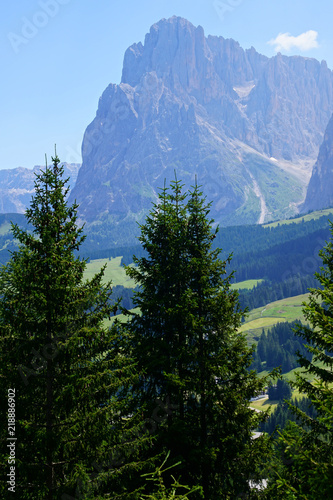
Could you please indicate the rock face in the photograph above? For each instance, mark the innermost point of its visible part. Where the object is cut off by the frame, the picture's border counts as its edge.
(17, 186)
(207, 109)
(320, 190)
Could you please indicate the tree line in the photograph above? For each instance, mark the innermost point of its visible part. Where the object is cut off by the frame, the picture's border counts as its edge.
(268, 291)
(282, 415)
(260, 295)
(280, 346)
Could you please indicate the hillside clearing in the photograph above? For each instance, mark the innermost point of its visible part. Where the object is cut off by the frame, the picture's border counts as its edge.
(114, 272)
(245, 285)
(311, 216)
(289, 309)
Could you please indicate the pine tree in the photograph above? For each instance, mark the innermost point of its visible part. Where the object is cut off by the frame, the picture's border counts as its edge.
(67, 370)
(186, 338)
(307, 458)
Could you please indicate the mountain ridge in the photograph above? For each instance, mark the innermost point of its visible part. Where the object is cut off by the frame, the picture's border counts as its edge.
(17, 186)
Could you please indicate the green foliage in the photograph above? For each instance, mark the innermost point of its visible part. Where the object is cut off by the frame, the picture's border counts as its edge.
(302, 468)
(186, 339)
(69, 373)
(284, 255)
(171, 493)
(282, 414)
(309, 472)
(278, 254)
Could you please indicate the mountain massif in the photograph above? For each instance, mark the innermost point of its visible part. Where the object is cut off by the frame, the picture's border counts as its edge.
(246, 127)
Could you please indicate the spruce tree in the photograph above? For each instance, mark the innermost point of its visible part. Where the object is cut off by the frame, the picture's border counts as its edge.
(306, 459)
(68, 372)
(187, 339)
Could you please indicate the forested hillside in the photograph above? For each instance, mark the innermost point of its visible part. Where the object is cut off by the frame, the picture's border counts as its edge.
(284, 256)
(279, 346)
(274, 252)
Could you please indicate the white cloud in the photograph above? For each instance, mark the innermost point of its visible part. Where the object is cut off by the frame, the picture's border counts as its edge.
(303, 42)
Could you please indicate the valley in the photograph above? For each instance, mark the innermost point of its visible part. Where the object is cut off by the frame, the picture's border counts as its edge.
(276, 235)
(287, 309)
(263, 318)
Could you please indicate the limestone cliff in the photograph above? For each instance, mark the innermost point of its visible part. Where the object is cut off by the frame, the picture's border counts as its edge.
(320, 190)
(205, 108)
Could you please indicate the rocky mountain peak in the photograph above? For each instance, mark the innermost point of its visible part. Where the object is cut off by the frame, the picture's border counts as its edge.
(204, 106)
(174, 50)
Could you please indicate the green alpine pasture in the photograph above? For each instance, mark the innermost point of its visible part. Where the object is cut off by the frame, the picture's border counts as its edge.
(246, 285)
(289, 309)
(304, 218)
(114, 272)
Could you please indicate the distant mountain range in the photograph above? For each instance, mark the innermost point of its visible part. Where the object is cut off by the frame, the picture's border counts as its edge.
(246, 126)
(17, 186)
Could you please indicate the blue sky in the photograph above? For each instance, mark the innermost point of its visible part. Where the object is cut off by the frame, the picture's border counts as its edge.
(59, 55)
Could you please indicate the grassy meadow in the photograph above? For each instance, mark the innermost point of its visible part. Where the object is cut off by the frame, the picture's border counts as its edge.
(114, 272)
(245, 285)
(289, 309)
(312, 216)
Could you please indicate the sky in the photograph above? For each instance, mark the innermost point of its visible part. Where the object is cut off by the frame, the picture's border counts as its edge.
(58, 56)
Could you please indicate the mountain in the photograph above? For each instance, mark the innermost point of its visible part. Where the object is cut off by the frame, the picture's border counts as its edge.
(320, 190)
(246, 126)
(17, 186)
